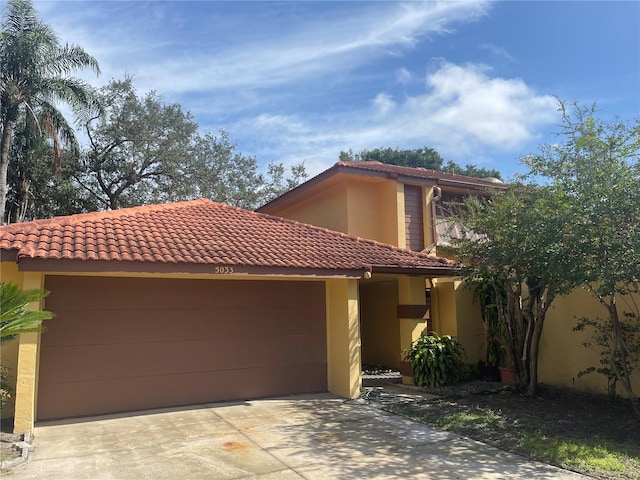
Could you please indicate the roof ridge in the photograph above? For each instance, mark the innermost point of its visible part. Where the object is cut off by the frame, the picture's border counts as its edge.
(363, 163)
(346, 235)
(79, 218)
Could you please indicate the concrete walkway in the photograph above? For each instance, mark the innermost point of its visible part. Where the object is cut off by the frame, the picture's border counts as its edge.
(311, 436)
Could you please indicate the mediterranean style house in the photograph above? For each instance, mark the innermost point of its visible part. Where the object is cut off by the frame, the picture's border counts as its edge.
(407, 207)
(195, 302)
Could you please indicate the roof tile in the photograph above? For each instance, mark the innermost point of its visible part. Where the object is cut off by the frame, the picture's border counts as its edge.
(205, 233)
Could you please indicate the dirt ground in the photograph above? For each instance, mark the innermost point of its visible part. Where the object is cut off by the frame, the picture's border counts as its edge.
(554, 411)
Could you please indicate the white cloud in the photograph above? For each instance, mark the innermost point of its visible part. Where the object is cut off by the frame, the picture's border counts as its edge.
(403, 76)
(497, 51)
(383, 104)
(144, 40)
(464, 113)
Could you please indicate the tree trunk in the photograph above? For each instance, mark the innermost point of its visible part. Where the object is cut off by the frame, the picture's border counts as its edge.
(534, 347)
(5, 145)
(620, 345)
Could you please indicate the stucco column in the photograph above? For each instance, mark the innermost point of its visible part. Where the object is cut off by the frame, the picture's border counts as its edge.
(28, 357)
(344, 367)
(411, 299)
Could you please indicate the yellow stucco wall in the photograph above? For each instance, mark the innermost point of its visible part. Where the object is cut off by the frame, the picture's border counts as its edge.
(443, 307)
(456, 314)
(562, 354)
(470, 326)
(28, 363)
(324, 208)
(343, 342)
(344, 365)
(379, 323)
(9, 351)
(372, 211)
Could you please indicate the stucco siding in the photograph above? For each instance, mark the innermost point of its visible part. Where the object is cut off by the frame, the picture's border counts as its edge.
(379, 324)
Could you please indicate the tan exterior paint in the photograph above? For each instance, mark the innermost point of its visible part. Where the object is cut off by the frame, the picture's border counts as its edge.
(368, 208)
(28, 363)
(374, 208)
(344, 366)
(343, 338)
(326, 208)
(379, 322)
(411, 291)
(9, 351)
(562, 354)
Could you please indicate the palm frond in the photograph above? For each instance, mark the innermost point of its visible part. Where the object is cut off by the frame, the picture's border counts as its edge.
(15, 318)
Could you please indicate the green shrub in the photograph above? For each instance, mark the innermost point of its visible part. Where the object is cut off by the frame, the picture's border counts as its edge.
(6, 390)
(436, 360)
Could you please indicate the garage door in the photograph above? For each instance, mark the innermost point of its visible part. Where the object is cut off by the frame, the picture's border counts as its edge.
(123, 344)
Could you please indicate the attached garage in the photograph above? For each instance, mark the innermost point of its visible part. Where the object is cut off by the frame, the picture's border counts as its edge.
(123, 344)
(191, 302)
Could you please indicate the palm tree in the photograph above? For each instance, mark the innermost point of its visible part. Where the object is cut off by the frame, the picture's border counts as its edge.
(15, 319)
(34, 76)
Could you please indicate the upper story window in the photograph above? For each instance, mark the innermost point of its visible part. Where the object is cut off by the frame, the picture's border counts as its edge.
(413, 217)
(446, 208)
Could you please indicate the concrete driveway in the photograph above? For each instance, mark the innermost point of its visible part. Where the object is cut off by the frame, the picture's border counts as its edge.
(310, 436)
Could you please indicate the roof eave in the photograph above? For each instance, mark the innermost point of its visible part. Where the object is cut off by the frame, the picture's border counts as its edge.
(444, 271)
(9, 255)
(57, 265)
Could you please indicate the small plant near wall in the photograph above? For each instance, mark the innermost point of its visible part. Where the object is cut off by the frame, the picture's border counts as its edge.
(436, 360)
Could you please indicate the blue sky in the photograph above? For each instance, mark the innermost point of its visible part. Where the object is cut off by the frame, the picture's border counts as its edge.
(296, 81)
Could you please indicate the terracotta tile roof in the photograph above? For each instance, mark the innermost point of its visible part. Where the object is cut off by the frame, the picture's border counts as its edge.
(381, 170)
(419, 173)
(200, 233)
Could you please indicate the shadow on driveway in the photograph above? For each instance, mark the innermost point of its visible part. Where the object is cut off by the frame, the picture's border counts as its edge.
(306, 436)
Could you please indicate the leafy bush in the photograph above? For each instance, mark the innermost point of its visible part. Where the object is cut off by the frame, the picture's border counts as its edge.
(436, 360)
(6, 390)
(15, 317)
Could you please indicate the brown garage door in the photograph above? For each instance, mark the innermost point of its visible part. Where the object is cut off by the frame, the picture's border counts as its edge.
(123, 344)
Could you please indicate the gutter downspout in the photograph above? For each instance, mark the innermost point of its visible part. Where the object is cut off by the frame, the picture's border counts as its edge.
(437, 196)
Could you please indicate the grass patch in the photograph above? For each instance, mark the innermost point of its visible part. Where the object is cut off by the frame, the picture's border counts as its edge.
(600, 458)
(595, 457)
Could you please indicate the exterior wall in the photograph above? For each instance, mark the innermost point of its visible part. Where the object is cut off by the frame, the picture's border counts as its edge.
(379, 323)
(470, 326)
(327, 208)
(411, 292)
(391, 213)
(343, 342)
(344, 366)
(456, 314)
(443, 307)
(28, 364)
(9, 351)
(562, 354)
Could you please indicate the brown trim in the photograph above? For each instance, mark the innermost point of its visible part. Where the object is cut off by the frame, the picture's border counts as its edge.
(413, 217)
(412, 311)
(114, 266)
(8, 255)
(405, 369)
(421, 271)
(285, 199)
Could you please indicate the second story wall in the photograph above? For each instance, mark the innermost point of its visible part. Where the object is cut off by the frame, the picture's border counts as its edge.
(327, 208)
(373, 210)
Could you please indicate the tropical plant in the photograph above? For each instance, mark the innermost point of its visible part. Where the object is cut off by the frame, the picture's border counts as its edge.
(425, 157)
(34, 77)
(143, 151)
(15, 318)
(522, 245)
(436, 360)
(6, 389)
(486, 291)
(595, 169)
